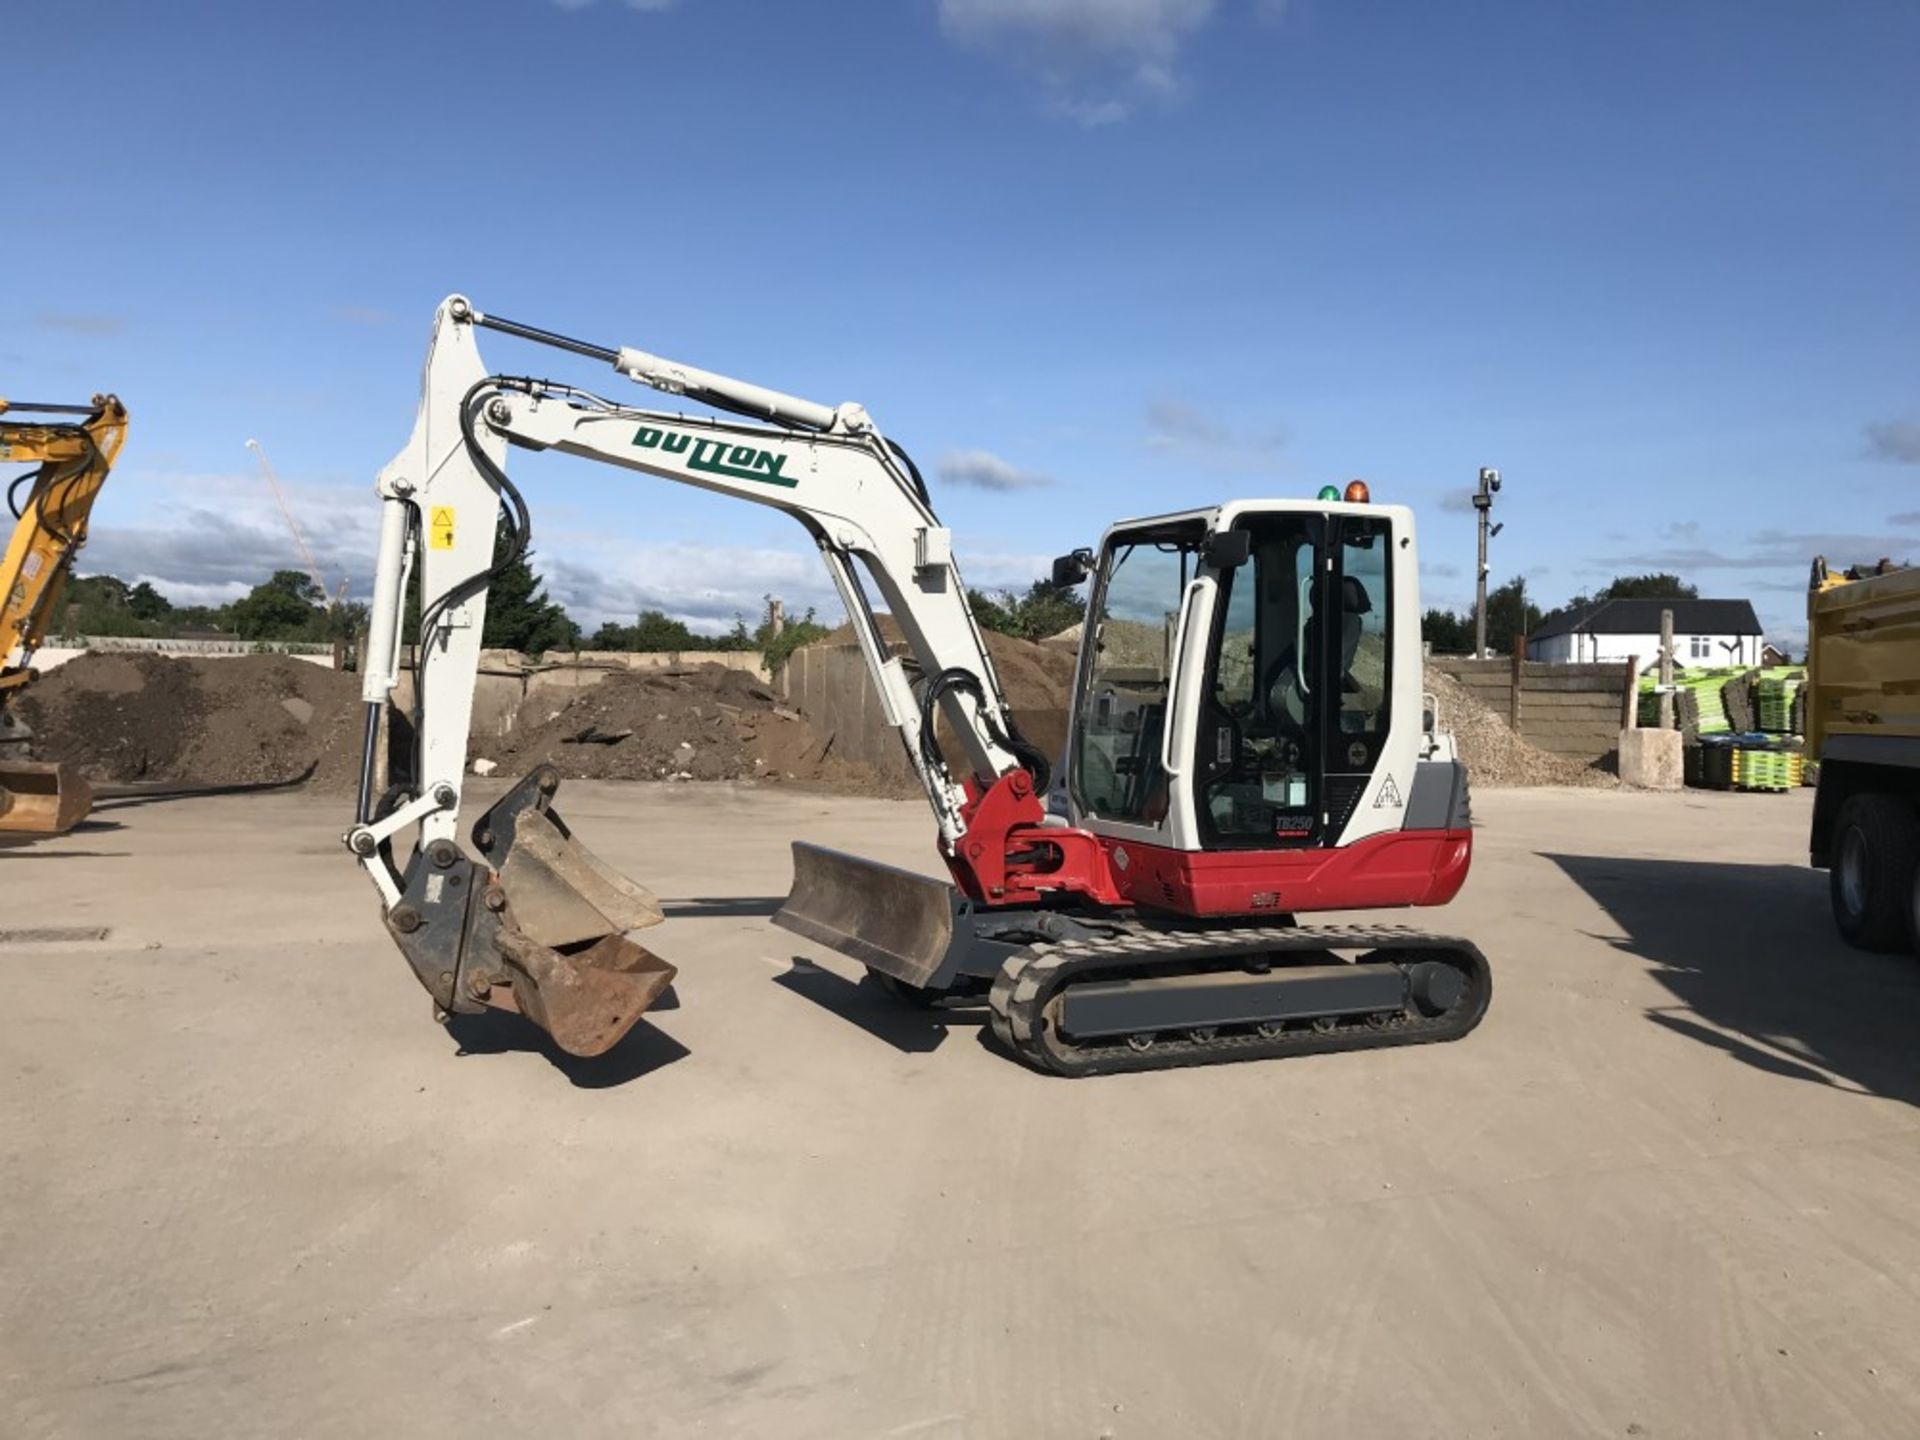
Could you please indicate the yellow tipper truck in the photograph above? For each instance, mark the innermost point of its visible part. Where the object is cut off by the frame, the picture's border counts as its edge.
(1863, 726)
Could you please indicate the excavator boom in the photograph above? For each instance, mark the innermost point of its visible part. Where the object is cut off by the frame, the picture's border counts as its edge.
(50, 505)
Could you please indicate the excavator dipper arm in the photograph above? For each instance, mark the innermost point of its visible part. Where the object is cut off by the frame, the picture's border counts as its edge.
(536, 924)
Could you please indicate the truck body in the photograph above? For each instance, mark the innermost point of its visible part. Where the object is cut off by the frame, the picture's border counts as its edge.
(1863, 728)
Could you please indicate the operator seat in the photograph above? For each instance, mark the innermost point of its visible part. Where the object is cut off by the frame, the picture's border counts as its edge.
(1354, 603)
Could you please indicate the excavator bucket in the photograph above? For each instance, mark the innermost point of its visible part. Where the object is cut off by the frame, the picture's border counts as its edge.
(571, 969)
(891, 920)
(37, 799)
(539, 929)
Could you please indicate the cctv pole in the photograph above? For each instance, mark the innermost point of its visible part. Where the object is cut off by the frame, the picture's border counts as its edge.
(1483, 508)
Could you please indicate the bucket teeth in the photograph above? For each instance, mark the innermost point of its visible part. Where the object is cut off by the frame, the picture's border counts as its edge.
(37, 799)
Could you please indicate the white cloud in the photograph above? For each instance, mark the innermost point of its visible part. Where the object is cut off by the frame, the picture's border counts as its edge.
(1190, 436)
(983, 470)
(74, 323)
(1895, 440)
(647, 6)
(987, 568)
(214, 537)
(1784, 553)
(208, 539)
(1096, 60)
(704, 586)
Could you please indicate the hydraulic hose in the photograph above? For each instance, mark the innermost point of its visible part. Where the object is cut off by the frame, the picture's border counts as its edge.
(1032, 759)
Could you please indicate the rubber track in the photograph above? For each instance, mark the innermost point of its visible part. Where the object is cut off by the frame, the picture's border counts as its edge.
(1027, 982)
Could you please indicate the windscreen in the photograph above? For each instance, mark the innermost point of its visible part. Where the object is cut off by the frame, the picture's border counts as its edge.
(1117, 773)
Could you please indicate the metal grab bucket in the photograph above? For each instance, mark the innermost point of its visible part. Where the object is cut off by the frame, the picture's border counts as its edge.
(39, 799)
(891, 920)
(538, 929)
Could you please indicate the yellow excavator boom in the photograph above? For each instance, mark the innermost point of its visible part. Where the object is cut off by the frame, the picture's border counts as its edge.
(72, 448)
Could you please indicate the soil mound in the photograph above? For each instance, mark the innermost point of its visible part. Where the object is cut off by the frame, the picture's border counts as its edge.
(702, 722)
(237, 720)
(1494, 755)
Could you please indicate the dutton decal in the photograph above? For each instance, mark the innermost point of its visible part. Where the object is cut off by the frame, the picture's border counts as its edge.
(1389, 795)
(440, 528)
(717, 457)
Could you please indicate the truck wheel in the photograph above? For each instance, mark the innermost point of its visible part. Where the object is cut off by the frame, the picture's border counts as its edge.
(1875, 846)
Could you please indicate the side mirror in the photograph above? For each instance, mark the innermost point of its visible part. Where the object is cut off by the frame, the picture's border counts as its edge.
(1226, 549)
(1070, 570)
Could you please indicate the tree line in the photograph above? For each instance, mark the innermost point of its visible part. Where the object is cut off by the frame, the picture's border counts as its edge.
(290, 607)
(1511, 611)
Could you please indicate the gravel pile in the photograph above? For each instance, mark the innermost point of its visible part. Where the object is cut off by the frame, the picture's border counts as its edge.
(1493, 754)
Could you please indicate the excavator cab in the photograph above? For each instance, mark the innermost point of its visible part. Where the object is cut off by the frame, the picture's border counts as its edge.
(1236, 690)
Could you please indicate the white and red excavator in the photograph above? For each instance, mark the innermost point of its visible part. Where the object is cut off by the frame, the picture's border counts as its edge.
(1248, 743)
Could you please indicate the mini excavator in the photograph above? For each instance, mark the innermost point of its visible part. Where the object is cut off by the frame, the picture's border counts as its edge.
(1248, 742)
(50, 503)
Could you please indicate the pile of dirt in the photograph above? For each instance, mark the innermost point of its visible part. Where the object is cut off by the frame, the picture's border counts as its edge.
(1493, 754)
(700, 722)
(239, 720)
(1037, 680)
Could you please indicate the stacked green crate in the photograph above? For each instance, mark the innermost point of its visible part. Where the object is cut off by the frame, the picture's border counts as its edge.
(1707, 690)
(1776, 695)
(1756, 769)
(1698, 705)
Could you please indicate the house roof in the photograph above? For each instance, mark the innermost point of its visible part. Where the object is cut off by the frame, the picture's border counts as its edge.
(1642, 617)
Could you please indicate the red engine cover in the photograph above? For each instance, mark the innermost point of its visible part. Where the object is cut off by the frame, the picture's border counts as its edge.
(1403, 867)
(1007, 856)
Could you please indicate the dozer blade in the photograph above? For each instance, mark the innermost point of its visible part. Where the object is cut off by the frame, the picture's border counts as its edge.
(538, 929)
(37, 799)
(893, 920)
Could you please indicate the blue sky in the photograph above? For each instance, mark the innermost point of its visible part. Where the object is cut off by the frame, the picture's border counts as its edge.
(1084, 258)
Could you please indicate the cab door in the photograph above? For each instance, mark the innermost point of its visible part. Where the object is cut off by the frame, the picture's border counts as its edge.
(1122, 778)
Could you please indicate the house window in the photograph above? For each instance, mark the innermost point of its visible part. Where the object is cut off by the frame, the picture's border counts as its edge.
(1700, 647)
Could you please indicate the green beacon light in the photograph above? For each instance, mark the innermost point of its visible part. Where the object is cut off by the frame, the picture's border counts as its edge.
(1329, 492)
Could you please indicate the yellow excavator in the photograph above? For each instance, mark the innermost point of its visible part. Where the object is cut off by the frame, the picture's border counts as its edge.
(71, 447)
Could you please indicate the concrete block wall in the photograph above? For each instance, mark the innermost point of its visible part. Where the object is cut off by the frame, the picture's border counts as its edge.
(1571, 710)
(829, 684)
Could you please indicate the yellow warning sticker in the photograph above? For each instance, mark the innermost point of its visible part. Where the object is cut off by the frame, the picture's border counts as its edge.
(440, 528)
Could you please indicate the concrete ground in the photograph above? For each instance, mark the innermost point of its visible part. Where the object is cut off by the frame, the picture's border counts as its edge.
(1671, 1187)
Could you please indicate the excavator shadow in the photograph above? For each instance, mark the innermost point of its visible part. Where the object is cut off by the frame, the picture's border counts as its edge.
(910, 1029)
(1750, 953)
(640, 1052)
(20, 841)
(720, 907)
